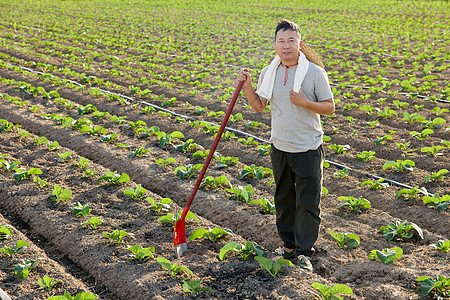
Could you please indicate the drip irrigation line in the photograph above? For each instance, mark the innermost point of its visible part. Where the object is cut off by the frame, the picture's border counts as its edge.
(338, 165)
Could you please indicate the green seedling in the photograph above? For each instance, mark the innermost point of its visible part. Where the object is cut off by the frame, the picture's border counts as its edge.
(435, 123)
(216, 114)
(23, 269)
(23, 175)
(89, 172)
(40, 140)
(93, 222)
(366, 155)
(210, 234)
(84, 110)
(134, 125)
(93, 130)
(345, 240)
(441, 203)
(118, 120)
(225, 161)
(162, 205)
(194, 287)
(227, 135)
(16, 249)
(255, 172)
(60, 194)
(381, 140)
(114, 178)
(412, 118)
(376, 185)
(169, 102)
(165, 162)
(263, 149)
(248, 142)
(63, 157)
(400, 104)
(203, 154)
(421, 135)
(236, 117)
(409, 194)
(442, 245)
(41, 183)
(215, 183)
(435, 176)
(148, 110)
(245, 251)
(140, 253)
(339, 149)
(7, 126)
(188, 146)
(5, 232)
(53, 146)
(401, 230)
(140, 152)
(241, 193)
(10, 166)
(440, 286)
(354, 204)
(135, 194)
(341, 173)
(273, 268)
(83, 163)
(266, 206)
(373, 124)
(143, 132)
(188, 171)
(386, 113)
(117, 235)
(165, 138)
(433, 151)
(439, 111)
(109, 138)
(79, 296)
(171, 219)
(253, 124)
(405, 148)
(100, 114)
(23, 133)
(174, 269)
(386, 256)
(330, 293)
(81, 210)
(399, 165)
(48, 283)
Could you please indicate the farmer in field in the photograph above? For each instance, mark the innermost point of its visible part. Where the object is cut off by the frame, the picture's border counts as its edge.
(299, 92)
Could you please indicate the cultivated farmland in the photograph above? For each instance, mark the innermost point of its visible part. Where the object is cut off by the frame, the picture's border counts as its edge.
(108, 110)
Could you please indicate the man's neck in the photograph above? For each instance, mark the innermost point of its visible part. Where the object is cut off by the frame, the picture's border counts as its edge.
(289, 62)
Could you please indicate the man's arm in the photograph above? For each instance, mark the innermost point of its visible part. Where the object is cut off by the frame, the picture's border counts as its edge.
(255, 102)
(325, 107)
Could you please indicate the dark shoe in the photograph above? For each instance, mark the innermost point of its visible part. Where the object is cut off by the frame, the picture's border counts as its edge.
(304, 263)
(286, 254)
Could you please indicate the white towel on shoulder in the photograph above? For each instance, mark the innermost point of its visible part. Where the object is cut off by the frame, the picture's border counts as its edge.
(266, 88)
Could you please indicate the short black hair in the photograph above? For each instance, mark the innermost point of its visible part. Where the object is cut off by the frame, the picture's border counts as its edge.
(285, 25)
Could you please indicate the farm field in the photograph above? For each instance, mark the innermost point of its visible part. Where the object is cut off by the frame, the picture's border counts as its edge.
(94, 90)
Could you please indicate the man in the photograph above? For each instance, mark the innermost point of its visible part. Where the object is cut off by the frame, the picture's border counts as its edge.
(299, 92)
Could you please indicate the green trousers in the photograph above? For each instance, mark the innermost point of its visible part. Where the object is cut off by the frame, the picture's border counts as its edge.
(298, 179)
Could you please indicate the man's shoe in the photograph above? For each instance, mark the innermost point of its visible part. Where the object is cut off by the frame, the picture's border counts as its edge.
(304, 263)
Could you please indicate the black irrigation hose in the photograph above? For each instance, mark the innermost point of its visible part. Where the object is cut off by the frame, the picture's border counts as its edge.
(340, 166)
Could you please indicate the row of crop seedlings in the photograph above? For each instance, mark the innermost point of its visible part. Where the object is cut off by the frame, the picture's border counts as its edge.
(141, 131)
(399, 231)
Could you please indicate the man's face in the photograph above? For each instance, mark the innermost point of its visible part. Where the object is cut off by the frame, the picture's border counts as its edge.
(287, 45)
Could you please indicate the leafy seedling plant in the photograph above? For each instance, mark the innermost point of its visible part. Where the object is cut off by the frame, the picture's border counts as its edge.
(174, 269)
(79, 296)
(165, 138)
(273, 268)
(82, 163)
(41, 183)
(376, 185)
(435, 176)
(215, 183)
(113, 178)
(354, 204)
(140, 152)
(245, 251)
(400, 165)
(24, 175)
(5, 232)
(339, 149)
(53, 146)
(81, 210)
(165, 162)
(48, 283)
(241, 193)
(440, 286)
(188, 171)
(225, 161)
(366, 155)
(135, 194)
(255, 172)
(188, 146)
(401, 230)
(140, 253)
(203, 154)
(60, 194)
(194, 287)
(442, 245)
(171, 219)
(93, 222)
(410, 194)
(266, 206)
(210, 234)
(264, 149)
(19, 247)
(386, 256)
(163, 205)
(441, 203)
(117, 235)
(23, 269)
(324, 292)
(341, 173)
(345, 240)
